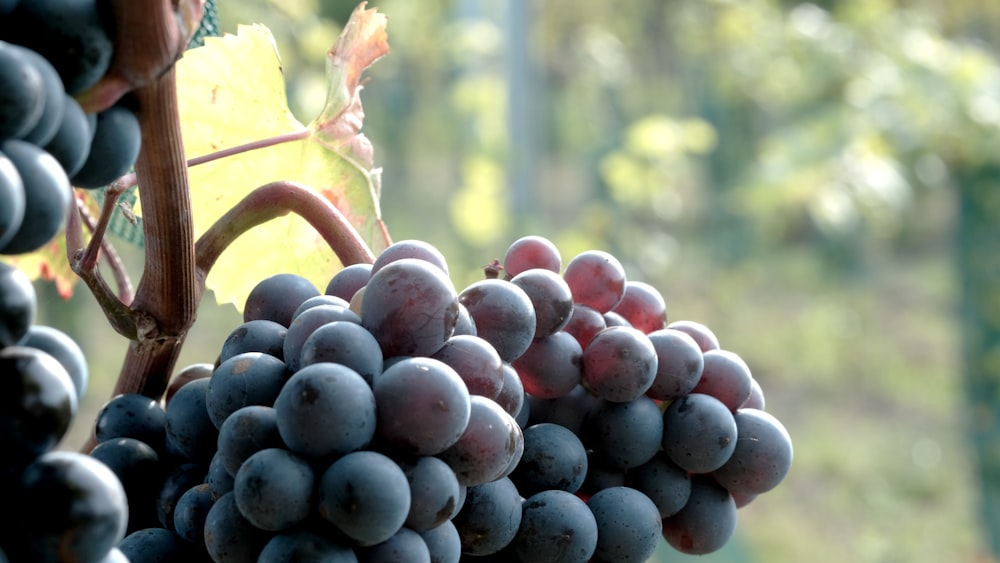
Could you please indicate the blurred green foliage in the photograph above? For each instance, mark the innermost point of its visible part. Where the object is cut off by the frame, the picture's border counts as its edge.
(791, 174)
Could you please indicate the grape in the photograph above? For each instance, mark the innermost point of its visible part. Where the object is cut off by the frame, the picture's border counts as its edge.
(250, 378)
(200, 370)
(60, 346)
(348, 280)
(703, 335)
(490, 517)
(72, 35)
(503, 315)
(434, 493)
(218, 479)
(229, 537)
(619, 364)
(325, 409)
(511, 396)
(70, 507)
(476, 362)
(277, 297)
(443, 543)
(556, 527)
(37, 404)
(531, 252)
(71, 143)
(626, 434)
(596, 279)
(22, 92)
(137, 467)
(155, 545)
(551, 366)
(318, 300)
(189, 428)
(365, 495)
(663, 481)
(411, 249)
(345, 343)
(249, 430)
(113, 148)
(612, 318)
(464, 324)
(699, 433)
(260, 335)
(570, 410)
(53, 100)
(554, 458)
(303, 325)
(305, 545)
(642, 305)
(584, 323)
(628, 525)
(706, 522)
(47, 196)
(726, 377)
(679, 363)
(756, 398)
(411, 308)
(18, 305)
(491, 443)
(12, 200)
(177, 482)
(762, 457)
(132, 415)
(274, 489)
(550, 297)
(404, 546)
(423, 407)
(192, 511)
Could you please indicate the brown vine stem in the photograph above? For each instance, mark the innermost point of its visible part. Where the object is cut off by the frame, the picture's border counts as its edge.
(274, 200)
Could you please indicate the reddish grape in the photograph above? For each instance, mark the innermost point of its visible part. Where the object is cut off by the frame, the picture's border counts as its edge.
(643, 306)
(476, 362)
(584, 322)
(596, 279)
(706, 522)
(531, 252)
(619, 364)
(726, 377)
(550, 296)
(503, 315)
(679, 364)
(551, 366)
(703, 335)
(416, 249)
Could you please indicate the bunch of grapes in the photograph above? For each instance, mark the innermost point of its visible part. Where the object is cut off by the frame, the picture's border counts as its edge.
(51, 52)
(542, 414)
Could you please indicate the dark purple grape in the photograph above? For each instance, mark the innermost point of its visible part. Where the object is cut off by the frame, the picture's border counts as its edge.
(22, 92)
(642, 305)
(726, 377)
(321, 300)
(70, 507)
(679, 364)
(250, 378)
(596, 279)
(366, 496)
(628, 525)
(530, 252)
(191, 511)
(405, 545)
(490, 517)
(53, 97)
(584, 323)
(247, 431)
(612, 318)
(138, 468)
(707, 521)
(12, 201)
(551, 366)
(132, 415)
(570, 410)
(308, 321)
(177, 482)
(273, 489)
(410, 307)
(550, 296)
(71, 143)
(556, 527)
(503, 314)
(217, 478)
(627, 434)
(346, 343)
(63, 348)
(699, 433)
(490, 444)
(153, 545)
(305, 545)
(434, 492)
(277, 297)
(443, 543)
(703, 335)
(762, 457)
(260, 335)
(325, 409)
(511, 396)
(554, 458)
(619, 364)
(663, 481)
(189, 429)
(464, 324)
(47, 196)
(229, 537)
(37, 404)
(185, 375)
(422, 405)
(113, 148)
(348, 280)
(410, 249)
(476, 362)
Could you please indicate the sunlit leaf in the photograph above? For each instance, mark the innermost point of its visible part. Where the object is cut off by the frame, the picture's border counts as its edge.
(232, 93)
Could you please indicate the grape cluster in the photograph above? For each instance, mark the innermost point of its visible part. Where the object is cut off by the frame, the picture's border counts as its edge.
(51, 52)
(540, 414)
(70, 507)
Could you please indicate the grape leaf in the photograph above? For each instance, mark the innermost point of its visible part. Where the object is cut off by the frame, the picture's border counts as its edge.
(232, 92)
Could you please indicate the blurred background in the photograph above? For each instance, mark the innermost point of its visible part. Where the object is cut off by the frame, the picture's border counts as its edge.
(817, 182)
